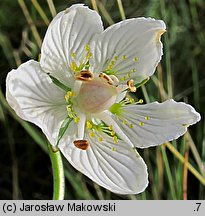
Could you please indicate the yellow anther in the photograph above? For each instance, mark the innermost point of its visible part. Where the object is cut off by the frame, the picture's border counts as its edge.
(124, 57)
(131, 86)
(141, 124)
(124, 122)
(67, 98)
(92, 134)
(70, 115)
(128, 75)
(116, 58)
(140, 101)
(131, 125)
(100, 139)
(131, 100)
(77, 119)
(89, 125)
(89, 55)
(110, 127)
(112, 62)
(136, 59)
(73, 66)
(133, 70)
(109, 67)
(112, 133)
(87, 47)
(113, 149)
(69, 109)
(115, 139)
(147, 118)
(73, 55)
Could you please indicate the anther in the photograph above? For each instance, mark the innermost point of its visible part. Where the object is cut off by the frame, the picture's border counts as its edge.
(147, 118)
(116, 58)
(135, 59)
(100, 139)
(106, 78)
(81, 144)
(113, 149)
(84, 75)
(73, 55)
(73, 66)
(77, 119)
(92, 134)
(141, 124)
(131, 86)
(124, 57)
(89, 125)
(115, 139)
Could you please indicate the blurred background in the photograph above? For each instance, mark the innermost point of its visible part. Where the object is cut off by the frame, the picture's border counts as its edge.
(176, 171)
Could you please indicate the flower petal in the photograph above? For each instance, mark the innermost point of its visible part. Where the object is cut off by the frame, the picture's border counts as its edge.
(117, 167)
(33, 96)
(155, 123)
(132, 48)
(68, 33)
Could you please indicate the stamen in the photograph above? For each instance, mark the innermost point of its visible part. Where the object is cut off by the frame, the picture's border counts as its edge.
(77, 119)
(73, 66)
(89, 125)
(85, 75)
(147, 118)
(116, 58)
(100, 139)
(136, 59)
(114, 79)
(73, 55)
(131, 86)
(106, 78)
(115, 139)
(87, 47)
(92, 134)
(81, 144)
(141, 123)
(124, 57)
(113, 149)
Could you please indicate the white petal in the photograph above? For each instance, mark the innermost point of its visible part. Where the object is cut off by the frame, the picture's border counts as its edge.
(160, 122)
(138, 38)
(68, 33)
(119, 170)
(35, 98)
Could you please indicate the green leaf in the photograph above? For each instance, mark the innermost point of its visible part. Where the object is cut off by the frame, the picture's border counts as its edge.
(142, 83)
(63, 128)
(59, 84)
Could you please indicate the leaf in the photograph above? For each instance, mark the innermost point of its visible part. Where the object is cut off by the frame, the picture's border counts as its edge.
(63, 128)
(59, 84)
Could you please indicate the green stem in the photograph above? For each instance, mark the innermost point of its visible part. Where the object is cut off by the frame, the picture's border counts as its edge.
(58, 173)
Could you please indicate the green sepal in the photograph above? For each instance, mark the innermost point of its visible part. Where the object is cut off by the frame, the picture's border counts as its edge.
(142, 83)
(63, 128)
(59, 84)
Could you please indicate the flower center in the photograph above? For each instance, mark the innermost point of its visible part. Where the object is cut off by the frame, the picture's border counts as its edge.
(94, 96)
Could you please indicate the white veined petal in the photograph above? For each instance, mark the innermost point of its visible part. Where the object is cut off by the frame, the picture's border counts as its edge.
(136, 45)
(68, 33)
(117, 167)
(30, 92)
(155, 123)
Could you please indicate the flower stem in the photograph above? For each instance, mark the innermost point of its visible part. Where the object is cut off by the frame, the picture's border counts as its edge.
(58, 173)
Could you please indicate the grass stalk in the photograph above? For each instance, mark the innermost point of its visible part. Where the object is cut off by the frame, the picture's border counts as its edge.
(41, 12)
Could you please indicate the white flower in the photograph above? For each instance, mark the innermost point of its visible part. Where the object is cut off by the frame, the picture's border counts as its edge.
(80, 82)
